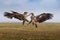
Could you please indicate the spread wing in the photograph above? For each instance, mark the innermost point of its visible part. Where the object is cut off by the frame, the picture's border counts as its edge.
(13, 14)
(43, 17)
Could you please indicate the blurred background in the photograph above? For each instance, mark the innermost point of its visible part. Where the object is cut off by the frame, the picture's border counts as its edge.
(35, 6)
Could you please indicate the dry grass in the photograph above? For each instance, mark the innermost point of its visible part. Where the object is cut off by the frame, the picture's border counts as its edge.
(16, 31)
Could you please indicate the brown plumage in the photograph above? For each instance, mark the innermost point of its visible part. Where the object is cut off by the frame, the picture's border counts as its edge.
(40, 18)
(34, 19)
(43, 17)
(13, 14)
(16, 15)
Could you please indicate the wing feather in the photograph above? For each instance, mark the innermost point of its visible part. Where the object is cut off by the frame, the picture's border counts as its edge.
(43, 17)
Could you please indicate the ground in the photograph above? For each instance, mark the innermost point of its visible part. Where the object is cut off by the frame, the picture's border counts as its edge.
(16, 31)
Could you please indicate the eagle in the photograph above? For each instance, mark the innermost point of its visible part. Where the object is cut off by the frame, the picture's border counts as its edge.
(16, 15)
(40, 18)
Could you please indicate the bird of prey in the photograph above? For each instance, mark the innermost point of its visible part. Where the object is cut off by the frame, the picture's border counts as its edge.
(17, 16)
(40, 18)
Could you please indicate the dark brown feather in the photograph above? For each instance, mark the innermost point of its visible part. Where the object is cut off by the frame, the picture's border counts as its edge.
(8, 15)
(44, 17)
(13, 14)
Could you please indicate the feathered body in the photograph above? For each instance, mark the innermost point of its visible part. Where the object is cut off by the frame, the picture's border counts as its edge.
(40, 18)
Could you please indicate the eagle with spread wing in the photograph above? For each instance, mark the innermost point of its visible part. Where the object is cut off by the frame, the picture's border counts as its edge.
(16, 15)
(40, 18)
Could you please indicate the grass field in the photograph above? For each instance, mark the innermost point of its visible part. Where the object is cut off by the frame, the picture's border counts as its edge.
(16, 31)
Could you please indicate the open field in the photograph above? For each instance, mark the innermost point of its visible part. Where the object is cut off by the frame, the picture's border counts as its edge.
(16, 31)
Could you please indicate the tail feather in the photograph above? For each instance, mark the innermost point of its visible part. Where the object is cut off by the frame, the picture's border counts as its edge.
(8, 15)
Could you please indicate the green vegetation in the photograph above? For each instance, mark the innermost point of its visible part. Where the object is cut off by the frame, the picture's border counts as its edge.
(16, 31)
